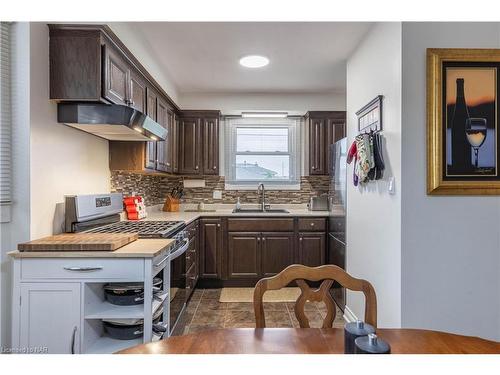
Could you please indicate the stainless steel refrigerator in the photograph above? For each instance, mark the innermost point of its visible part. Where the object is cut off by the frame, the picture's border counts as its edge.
(338, 211)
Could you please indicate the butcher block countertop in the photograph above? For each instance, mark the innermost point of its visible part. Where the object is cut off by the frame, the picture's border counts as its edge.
(142, 248)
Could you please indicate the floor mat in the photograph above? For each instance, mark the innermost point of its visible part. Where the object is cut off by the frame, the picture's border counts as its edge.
(246, 295)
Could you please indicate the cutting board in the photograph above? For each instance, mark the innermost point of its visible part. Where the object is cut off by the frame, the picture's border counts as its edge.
(80, 242)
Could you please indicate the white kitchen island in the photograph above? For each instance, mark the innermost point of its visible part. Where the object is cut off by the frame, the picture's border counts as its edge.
(59, 303)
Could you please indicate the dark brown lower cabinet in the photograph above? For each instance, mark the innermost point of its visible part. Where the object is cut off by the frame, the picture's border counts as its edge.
(210, 248)
(256, 255)
(312, 249)
(277, 252)
(244, 255)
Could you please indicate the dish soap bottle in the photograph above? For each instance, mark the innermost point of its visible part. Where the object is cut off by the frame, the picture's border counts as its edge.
(238, 204)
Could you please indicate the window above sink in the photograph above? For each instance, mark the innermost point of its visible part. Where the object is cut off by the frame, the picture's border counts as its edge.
(262, 150)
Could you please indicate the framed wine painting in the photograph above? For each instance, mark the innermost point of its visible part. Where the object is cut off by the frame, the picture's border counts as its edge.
(463, 122)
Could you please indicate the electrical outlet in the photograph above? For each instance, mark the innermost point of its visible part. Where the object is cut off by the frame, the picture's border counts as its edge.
(217, 194)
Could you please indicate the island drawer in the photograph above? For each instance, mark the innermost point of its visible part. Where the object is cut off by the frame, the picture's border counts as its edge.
(83, 268)
(312, 224)
(260, 224)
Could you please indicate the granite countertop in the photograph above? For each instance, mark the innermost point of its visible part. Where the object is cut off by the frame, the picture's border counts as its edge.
(155, 213)
(141, 248)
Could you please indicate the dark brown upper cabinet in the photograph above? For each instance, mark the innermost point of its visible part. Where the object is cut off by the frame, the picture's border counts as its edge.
(116, 77)
(211, 146)
(151, 111)
(190, 145)
(162, 148)
(90, 63)
(324, 128)
(198, 136)
(137, 91)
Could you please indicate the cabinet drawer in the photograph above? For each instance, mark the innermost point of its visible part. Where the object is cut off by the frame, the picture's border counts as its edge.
(315, 224)
(260, 225)
(76, 268)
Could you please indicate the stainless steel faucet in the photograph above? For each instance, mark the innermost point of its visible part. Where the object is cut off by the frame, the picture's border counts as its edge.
(263, 199)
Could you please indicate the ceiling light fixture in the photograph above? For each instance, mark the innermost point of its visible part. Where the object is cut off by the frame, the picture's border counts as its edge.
(264, 114)
(254, 61)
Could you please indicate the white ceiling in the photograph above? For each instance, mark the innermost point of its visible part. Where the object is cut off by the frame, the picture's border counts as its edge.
(203, 57)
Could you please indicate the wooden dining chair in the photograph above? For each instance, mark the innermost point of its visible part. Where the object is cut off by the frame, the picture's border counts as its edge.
(327, 274)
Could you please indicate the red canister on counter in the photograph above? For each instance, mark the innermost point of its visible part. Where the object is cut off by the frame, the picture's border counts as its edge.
(134, 207)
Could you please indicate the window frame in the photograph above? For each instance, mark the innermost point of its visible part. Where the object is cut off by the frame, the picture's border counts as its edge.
(294, 153)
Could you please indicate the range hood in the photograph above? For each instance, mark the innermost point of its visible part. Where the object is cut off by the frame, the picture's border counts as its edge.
(111, 121)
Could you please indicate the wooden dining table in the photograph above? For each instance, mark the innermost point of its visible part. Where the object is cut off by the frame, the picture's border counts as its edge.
(311, 341)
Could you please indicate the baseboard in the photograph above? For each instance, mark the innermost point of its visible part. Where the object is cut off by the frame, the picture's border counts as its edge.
(349, 316)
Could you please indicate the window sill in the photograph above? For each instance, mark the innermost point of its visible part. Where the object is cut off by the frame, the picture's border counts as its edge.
(268, 187)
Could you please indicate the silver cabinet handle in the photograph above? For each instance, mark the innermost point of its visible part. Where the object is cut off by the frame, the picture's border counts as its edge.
(73, 340)
(218, 225)
(215, 167)
(83, 269)
(312, 224)
(196, 167)
(300, 239)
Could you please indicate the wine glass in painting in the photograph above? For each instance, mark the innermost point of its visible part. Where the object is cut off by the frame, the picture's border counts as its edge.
(475, 129)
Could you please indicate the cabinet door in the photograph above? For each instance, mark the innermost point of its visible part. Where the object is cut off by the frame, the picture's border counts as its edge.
(50, 317)
(169, 144)
(175, 144)
(211, 248)
(335, 131)
(137, 92)
(317, 151)
(189, 146)
(162, 149)
(312, 249)
(211, 146)
(151, 111)
(277, 252)
(116, 77)
(244, 255)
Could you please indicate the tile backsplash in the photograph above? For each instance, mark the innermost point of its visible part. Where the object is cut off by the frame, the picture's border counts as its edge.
(155, 187)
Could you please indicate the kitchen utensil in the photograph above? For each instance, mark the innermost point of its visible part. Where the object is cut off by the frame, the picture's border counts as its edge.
(129, 329)
(130, 293)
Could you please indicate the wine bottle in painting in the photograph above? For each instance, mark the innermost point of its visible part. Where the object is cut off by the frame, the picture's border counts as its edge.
(460, 146)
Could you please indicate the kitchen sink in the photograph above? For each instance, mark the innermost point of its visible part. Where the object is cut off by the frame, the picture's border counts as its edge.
(257, 211)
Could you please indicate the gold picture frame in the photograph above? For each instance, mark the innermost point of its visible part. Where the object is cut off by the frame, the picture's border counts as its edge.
(438, 180)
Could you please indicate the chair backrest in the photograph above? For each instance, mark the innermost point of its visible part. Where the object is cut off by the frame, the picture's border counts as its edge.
(327, 274)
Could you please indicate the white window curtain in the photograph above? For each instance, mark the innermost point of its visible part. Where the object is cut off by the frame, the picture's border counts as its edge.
(262, 151)
(5, 122)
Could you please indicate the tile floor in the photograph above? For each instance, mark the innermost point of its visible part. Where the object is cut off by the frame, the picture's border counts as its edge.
(205, 312)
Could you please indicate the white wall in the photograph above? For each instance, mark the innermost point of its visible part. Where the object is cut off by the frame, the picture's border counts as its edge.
(451, 245)
(374, 216)
(236, 102)
(63, 160)
(145, 53)
(18, 229)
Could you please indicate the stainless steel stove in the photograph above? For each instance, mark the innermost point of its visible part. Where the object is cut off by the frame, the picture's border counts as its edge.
(145, 229)
(101, 214)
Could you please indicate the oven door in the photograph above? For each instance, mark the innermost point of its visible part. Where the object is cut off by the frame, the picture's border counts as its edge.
(178, 293)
